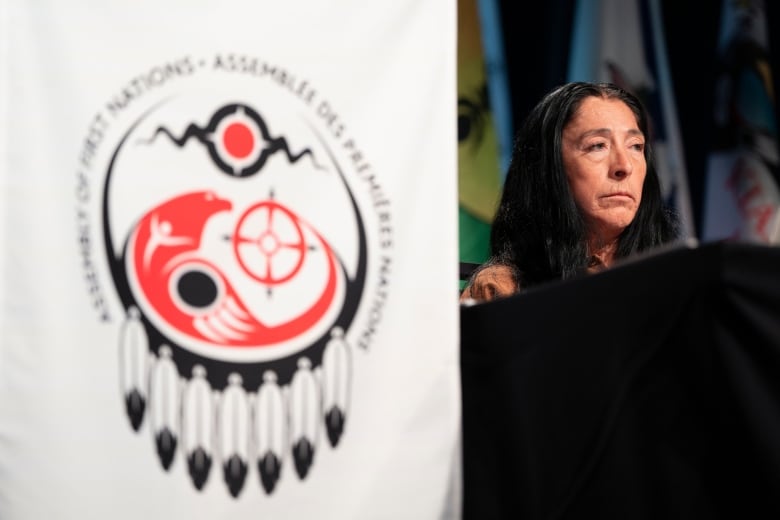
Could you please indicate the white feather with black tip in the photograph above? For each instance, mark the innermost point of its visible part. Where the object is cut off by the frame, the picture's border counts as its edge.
(233, 425)
(133, 369)
(304, 412)
(198, 415)
(164, 405)
(269, 430)
(336, 381)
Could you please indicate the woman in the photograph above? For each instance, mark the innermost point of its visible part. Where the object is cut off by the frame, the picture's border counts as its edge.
(581, 192)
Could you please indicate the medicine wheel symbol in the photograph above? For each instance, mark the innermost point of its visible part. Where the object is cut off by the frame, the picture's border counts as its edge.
(269, 243)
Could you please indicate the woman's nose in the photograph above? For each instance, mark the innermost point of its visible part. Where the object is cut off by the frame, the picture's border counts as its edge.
(621, 165)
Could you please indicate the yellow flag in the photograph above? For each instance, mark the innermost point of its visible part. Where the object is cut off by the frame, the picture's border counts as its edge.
(479, 178)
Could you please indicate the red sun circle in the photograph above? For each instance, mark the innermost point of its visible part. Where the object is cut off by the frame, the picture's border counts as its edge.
(238, 140)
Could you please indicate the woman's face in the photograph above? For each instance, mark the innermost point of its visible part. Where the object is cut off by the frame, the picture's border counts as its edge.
(603, 155)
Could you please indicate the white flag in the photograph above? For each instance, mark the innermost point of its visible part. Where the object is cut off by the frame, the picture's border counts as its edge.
(228, 278)
(622, 42)
(742, 200)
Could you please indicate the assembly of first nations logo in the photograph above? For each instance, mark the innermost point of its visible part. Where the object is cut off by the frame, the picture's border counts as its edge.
(238, 239)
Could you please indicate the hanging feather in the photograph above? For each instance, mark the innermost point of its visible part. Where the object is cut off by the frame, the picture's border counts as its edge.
(233, 434)
(197, 426)
(164, 405)
(304, 416)
(133, 353)
(269, 430)
(336, 380)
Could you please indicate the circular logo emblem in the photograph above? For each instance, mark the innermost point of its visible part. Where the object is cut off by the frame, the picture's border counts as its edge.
(235, 230)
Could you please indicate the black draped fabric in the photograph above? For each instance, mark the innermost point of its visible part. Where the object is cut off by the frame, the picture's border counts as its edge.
(651, 390)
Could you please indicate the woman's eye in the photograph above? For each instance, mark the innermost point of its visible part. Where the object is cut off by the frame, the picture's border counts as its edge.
(639, 147)
(596, 146)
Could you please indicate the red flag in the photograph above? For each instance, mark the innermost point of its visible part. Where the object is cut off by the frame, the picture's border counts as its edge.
(742, 198)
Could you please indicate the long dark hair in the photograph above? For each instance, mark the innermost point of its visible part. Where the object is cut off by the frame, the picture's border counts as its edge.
(538, 229)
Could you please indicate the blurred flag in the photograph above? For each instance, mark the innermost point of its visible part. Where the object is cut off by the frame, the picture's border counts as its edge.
(622, 42)
(484, 129)
(211, 224)
(741, 198)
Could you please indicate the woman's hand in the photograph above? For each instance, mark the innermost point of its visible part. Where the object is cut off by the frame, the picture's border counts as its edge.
(490, 282)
